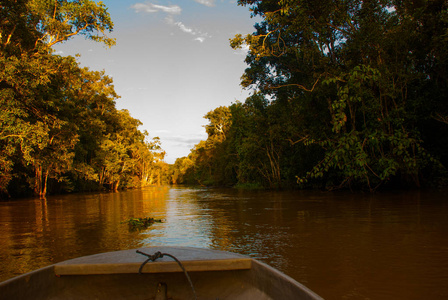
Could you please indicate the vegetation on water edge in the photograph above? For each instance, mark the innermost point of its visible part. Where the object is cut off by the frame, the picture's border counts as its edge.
(346, 94)
(60, 130)
(141, 223)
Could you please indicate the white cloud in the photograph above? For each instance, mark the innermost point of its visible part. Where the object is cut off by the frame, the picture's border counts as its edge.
(174, 10)
(200, 39)
(185, 141)
(208, 3)
(185, 28)
(200, 36)
(153, 8)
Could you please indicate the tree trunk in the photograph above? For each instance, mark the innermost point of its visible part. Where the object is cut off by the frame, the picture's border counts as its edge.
(102, 176)
(38, 180)
(44, 183)
(115, 185)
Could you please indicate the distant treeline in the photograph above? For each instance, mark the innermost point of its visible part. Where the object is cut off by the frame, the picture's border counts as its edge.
(60, 130)
(347, 94)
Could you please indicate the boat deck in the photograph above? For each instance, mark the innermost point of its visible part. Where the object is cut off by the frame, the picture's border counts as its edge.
(212, 274)
(129, 261)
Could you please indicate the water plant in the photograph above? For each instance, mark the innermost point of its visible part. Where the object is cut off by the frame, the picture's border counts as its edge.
(141, 223)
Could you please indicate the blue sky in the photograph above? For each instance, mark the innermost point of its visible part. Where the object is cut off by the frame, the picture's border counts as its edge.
(172, 64)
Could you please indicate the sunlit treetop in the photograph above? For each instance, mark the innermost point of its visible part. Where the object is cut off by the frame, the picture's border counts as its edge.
(29, 23)
(60, 20)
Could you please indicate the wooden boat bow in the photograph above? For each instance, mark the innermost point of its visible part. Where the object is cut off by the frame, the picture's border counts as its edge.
(129, 261)
(115, 275)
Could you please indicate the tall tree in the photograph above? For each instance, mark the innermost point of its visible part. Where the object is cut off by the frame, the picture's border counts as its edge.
(358, 71)
(35, 87)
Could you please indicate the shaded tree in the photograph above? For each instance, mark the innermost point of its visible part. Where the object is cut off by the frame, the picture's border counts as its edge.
(358, 74)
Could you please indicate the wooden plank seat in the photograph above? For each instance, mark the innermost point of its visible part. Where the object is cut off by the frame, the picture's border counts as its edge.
(129, 261)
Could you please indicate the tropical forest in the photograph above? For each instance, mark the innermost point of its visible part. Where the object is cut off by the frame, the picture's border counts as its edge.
(345, 94)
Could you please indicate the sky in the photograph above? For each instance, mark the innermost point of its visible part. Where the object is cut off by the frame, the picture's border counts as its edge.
(172, 64)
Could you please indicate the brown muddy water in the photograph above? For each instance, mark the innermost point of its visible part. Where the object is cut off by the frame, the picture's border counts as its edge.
(341, 245)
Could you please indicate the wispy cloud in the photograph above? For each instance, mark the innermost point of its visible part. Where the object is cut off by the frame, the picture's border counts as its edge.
(184, 141)
(185, 28)
(172, 10)
(149, 7)
(208, 3)
(199, 35)
(200, 39)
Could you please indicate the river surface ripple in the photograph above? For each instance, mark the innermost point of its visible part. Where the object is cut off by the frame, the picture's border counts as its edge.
(341, 245)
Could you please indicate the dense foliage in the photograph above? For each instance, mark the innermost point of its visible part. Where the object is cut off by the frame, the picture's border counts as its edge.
(59, 128)
(346, 94)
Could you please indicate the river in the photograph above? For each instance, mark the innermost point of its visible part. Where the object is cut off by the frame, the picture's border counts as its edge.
(341, 245)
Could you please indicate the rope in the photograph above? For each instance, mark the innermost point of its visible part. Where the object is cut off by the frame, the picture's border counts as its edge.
(158, 255)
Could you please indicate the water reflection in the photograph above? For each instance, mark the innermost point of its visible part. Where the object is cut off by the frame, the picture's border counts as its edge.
(343, 246)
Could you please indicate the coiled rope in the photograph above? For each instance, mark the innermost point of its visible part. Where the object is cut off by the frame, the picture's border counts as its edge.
(158, 255)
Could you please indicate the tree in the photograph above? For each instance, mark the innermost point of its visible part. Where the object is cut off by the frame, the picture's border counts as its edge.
(60, 20)
(36, 93)
(358, 73)
(219, 124)
(179, 171)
